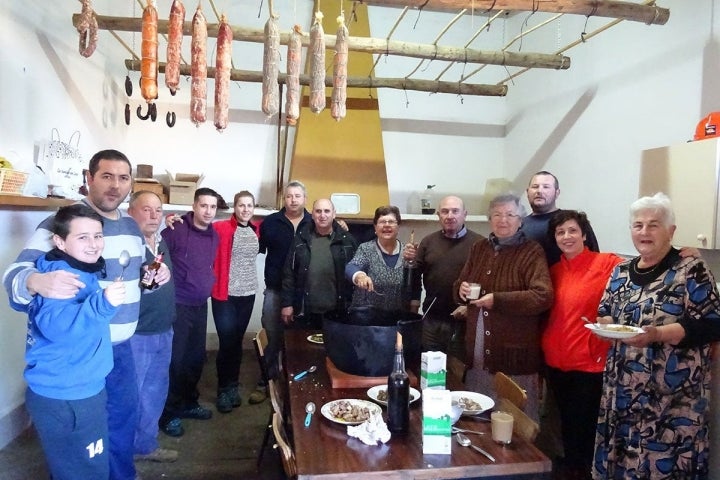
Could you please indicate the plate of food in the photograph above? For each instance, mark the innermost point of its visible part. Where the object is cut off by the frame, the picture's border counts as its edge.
(316, 338)
(614, 330)
(473, 403)
(379, 394)
(349, 411)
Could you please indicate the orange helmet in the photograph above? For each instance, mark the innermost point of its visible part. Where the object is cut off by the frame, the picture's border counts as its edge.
(708, 127)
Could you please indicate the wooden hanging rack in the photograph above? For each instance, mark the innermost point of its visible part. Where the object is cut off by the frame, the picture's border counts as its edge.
(361, 44)
(648, 14)
(432, 86)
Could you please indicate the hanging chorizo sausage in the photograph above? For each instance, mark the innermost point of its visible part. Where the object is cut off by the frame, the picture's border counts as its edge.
(292, 82)
(174, 44)
(149, 51)
(223, 63)
(317, 65)
(87, 28)
(198, 68)
(271, 59)
(339, 92)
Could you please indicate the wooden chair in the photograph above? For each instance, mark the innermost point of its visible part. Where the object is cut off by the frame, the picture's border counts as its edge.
(287, 456)
(505, 387)
(261, 342)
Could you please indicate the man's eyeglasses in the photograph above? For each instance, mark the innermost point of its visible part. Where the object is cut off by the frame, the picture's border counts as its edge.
(387, 222)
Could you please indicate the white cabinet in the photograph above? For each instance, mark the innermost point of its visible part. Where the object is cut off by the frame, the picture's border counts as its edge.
(688, 173)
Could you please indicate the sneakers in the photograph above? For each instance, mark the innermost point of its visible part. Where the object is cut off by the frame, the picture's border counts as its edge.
(172, 427)
(258, 395)
(197, 412)
(160, 455)
(227, 399)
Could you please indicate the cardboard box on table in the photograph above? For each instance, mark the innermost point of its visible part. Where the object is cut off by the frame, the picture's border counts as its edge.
(150, 185)
(182, 186)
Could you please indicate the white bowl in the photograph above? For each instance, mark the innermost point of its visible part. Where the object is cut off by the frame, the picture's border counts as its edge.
(457, 412)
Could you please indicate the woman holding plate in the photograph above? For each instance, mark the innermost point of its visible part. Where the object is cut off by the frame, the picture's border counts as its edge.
(654, 410)
(575, 358)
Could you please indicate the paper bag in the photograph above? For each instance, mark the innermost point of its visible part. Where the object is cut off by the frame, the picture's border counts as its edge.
(63, 164)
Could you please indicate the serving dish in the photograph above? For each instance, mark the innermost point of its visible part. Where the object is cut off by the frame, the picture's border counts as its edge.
(374, 393)
(326, 410)
(316, 338)
(613, 330)
(460, 397)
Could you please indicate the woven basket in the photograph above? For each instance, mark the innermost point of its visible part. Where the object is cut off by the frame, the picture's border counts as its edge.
(12, 181)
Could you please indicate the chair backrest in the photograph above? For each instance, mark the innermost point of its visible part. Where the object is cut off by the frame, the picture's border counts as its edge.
(523, 426)
(276, 397)
(505, 387)
(286, 452)
(261, 342)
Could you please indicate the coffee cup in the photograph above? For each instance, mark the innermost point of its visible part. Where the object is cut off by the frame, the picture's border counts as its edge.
(501, 424)
(474, 291)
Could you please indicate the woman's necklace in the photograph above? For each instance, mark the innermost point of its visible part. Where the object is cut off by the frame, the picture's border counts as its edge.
(644, 275)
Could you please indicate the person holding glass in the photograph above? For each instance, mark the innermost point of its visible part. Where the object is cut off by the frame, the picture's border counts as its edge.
(654, 410)
(376, 270)
(503, 325)
(575, 358)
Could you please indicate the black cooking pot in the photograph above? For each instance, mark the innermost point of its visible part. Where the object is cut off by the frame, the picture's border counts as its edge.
(364, 342)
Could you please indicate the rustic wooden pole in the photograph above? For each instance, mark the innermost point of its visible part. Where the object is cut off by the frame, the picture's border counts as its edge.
(367, 45)
(431, 86)
(649, 14)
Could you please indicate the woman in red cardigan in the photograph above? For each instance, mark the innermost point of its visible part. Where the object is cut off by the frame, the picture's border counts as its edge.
(575, 357)
(233, 294)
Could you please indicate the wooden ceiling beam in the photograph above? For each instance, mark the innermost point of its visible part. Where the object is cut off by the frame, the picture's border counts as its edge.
(431, 86)
(649, 14)
(363, 44)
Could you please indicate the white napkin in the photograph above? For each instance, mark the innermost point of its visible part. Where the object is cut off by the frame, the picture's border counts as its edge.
(371, 431)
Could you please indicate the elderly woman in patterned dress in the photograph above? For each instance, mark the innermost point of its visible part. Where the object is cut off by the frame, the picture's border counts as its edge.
(376, 269)
(653, 418)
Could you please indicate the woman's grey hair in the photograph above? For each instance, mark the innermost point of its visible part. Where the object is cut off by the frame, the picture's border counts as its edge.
(658, 203)
(508, 198)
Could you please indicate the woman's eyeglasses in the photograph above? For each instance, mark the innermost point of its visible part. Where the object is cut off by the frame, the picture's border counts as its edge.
(387, 222)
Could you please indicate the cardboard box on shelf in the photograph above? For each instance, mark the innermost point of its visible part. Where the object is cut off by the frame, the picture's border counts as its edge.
(150, 185)
(182, 187)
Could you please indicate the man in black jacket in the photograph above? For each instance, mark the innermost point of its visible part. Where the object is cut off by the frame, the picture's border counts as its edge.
(313, 283)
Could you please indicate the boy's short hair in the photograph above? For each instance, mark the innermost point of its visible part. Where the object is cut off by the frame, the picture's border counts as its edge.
(65, 215)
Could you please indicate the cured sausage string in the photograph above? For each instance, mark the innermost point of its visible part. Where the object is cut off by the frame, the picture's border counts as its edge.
(198, 68)
(223, 60)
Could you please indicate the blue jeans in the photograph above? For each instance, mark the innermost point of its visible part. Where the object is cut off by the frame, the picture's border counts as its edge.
(232, 317)
(73, 434)
(188, 358)
(152, 368)
(275, 329)
(122, 408)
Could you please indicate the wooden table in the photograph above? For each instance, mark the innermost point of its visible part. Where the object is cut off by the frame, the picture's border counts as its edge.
(325, 451)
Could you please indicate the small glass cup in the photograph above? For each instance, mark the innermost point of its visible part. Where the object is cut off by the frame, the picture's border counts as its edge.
(502, 427)
(474, 291)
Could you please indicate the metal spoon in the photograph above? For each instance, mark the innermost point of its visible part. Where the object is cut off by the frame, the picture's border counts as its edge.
(462, 430)
(124, 261)
(465, 442)
(310, 409)
(304, 372)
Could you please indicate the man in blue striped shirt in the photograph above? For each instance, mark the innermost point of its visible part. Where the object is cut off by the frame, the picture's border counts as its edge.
(109, 180)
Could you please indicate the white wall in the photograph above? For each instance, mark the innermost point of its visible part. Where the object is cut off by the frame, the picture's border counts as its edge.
(630, 88)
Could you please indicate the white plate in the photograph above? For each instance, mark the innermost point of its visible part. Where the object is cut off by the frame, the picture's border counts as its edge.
(608, 331)
(486, 403)
(372, 407)
(375, 391)
(315, 338)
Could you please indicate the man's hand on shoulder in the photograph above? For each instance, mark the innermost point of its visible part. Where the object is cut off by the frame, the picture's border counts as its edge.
(59, 284)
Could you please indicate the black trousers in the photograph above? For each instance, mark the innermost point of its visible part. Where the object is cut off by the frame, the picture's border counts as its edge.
(578, 398)
(188, 357)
